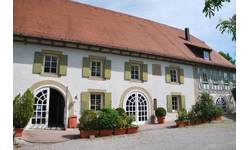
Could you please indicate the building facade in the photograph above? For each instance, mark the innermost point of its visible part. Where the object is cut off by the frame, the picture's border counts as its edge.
(75, 62)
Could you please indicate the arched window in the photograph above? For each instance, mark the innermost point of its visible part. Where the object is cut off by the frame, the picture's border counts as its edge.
(221, 101)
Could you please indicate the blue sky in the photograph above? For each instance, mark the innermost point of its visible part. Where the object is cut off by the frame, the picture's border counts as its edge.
(179, 14)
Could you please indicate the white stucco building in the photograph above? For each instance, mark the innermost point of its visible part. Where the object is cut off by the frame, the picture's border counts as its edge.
(74, 62)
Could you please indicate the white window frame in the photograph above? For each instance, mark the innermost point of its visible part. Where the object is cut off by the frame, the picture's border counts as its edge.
(177, 103)
(101, 69)
(95, 99)
(234, 78)
(206, 55)
(134, 72)
(176, 75)
(204, 71)
(225, 78)
(44, 61)
(215, 72)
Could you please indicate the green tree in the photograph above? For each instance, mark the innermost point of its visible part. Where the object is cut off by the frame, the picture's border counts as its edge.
(227, 25)
(228, 57)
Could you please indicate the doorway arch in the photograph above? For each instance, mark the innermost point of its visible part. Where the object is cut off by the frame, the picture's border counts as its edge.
(59, 89)
(136, 102)
(221, 101)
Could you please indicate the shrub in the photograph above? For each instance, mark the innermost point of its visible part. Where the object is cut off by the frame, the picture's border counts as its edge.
(23, 109)
(220, 110)
(108, 118)
(160, 112)
(121, 112)
(130, 119)
(206, 105)
(88, 121)
(191, 116)
(182, 116)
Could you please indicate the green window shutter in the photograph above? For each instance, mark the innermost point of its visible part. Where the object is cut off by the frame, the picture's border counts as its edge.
(183, 102)
(127, 71)
(63, 65)
(107, 69)
(86, 67)
(168, 77)
(145, 72)
(85, 101)
(38, 62)
(107, 102)
(181, 76)
(169, 103)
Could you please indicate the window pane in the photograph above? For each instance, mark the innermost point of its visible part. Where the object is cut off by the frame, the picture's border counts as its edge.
(98, 96)
(93, 102)
(54, 59)
(93, 63)
(92, 96)
(53, 70)
(46, 69)
(47, 64)
(47, 58)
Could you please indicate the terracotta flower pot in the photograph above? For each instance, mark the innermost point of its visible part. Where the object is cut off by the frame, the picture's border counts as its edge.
(212, 119)
(181, 124)
(19, 132)
(217, 117)
(131, 130)
(120, 131)
(191, 123)
(205, 120)
(161, 120)
(199, 121)
(85, 134)
(106, 132)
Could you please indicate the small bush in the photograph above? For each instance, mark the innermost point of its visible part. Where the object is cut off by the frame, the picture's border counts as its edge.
(182, 116)
(130, 119)
(191, 116)
(121, 112)
(108, 118)
(23, 109)
(88, 121)
(160, 112)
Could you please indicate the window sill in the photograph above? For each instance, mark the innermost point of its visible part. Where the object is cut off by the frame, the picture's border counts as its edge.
(173, 83)
(216, 83)
(136, 81)
(205, 82)
(97, 79)
(50, 75)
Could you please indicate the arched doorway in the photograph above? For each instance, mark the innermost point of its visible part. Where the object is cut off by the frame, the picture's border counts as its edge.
(137, 103)
(56, 109)
(221, 101)
(49, 108)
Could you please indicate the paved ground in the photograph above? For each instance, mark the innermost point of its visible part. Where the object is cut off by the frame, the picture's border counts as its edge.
(214, 135)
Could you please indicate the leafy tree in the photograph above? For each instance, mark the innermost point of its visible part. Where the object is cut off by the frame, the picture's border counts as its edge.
(229, 25)
(228, 57)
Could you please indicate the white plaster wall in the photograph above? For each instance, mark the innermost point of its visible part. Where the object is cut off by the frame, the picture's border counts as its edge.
(23, 78)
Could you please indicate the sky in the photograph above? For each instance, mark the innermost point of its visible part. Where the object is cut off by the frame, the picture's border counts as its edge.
(179, 14)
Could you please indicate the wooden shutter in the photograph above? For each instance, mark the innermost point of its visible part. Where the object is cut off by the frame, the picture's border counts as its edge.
(183, 102)
(63, 65)
(38, 60)
(85, 101)
(127, 71)
(86, 67)
(145, 72)
(168, 77)
(107, 102)
(169, 103)
(181, 76)
(107, 69)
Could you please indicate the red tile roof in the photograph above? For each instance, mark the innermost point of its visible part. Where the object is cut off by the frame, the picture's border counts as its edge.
(76, 22)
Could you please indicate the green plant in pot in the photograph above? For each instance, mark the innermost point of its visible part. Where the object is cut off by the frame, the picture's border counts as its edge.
(120, 127)
(206, 106)
(191, 117)
(22, 111)
(219, 112)
(182, 119)
(131, 128)
(107, 119)
(160, 113)
(88, 123)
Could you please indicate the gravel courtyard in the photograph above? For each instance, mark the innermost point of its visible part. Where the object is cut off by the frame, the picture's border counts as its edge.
(214, 135)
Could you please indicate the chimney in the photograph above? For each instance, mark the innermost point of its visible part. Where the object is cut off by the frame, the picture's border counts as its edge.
(187, 34)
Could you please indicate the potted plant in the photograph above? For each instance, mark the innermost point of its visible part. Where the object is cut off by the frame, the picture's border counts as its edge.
(107, 118)
(197, 111)
(191, 117)
(88, 123)
(22, 111)
(207, 105)
(120, 127)
(218, 113)
(182, 120)
(160, 113)
(131, 128)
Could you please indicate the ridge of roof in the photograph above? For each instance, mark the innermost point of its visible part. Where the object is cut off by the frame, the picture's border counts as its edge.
(73, 21)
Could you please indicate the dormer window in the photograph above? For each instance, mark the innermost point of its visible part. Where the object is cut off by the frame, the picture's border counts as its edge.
(206, 55)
